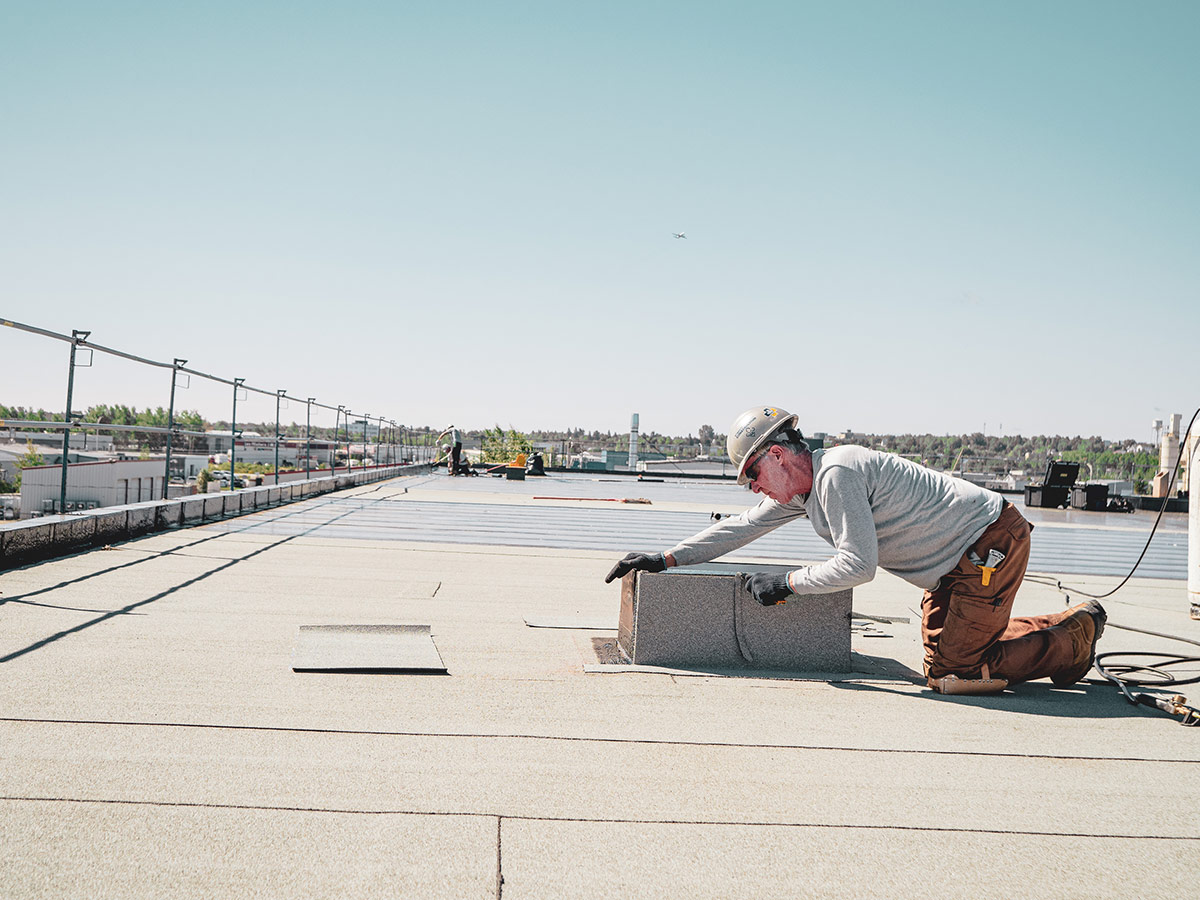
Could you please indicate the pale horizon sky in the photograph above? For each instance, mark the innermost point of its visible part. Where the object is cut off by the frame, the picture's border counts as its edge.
(937, 217)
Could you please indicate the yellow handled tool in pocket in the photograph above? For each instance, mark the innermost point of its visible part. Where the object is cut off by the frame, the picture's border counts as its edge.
(988, 567)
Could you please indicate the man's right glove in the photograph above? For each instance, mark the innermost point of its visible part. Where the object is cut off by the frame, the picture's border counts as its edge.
(769, 589)
(641, 562)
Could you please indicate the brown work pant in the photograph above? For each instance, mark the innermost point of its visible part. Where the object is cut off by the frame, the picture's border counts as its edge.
(966, 625)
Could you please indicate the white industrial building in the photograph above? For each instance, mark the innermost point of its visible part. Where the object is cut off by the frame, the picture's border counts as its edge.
(90, 485)
(187, 466)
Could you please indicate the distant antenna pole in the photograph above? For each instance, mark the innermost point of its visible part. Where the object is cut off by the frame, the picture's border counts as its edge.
(633, 442)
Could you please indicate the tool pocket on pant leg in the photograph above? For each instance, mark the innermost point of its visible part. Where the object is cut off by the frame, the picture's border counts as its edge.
(973, 624)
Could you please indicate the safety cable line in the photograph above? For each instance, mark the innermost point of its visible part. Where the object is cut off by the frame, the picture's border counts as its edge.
(178, 366)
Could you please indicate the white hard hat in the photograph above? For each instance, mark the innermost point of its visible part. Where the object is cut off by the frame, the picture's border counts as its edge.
(751, 430)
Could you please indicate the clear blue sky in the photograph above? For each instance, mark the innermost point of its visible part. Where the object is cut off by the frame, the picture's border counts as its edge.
(900, 217)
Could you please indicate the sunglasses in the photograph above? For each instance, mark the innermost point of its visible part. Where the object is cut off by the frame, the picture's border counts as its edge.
(751, 471)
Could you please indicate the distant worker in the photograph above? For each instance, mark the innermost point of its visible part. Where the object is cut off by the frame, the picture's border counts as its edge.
(453, 447)
(966, 547)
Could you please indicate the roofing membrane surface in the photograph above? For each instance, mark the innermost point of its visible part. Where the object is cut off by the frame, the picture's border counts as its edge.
(534, 513)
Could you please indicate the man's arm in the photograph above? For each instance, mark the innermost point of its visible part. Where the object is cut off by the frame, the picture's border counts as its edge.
(734, 532)
(725, 535)
(843, 496)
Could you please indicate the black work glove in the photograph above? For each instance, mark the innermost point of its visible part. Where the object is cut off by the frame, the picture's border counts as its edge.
(641, 562)
(769, 589)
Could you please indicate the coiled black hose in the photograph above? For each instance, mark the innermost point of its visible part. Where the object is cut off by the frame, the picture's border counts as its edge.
(1152, 673)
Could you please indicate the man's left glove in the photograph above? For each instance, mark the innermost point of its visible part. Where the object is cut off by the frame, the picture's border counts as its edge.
(769, 589)
(642, 562)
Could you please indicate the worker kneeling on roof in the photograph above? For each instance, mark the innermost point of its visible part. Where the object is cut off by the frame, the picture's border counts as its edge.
(966, 547)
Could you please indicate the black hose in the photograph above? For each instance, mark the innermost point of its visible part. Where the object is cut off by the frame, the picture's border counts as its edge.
(1151, 674)
(1157, 519)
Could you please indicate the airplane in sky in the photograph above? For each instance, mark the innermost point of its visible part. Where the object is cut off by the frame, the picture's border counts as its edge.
(679, 234)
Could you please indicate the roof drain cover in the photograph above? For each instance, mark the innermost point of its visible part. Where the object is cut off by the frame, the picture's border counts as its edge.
(366, 649)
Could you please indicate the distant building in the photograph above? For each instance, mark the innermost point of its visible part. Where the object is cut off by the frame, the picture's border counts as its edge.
(187, 466)
(356, 428)
(8, 462)
(613, 460)
(91, 485)
(51, 455)
(220, 441)
(253, 447)
(79, 440)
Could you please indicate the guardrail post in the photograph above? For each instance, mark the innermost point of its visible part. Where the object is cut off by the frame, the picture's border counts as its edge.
(308, 439)
(77, 337)
(171, 423)
(278, 396)
(237, 383)
(337, 436)
(366, 417)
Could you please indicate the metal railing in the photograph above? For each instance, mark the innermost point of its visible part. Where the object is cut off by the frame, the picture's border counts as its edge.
(422, 451)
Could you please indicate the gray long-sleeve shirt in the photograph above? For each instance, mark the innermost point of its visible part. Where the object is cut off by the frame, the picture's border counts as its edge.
(876, 509)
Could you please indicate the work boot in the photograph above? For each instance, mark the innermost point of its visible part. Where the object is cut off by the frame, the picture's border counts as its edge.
(1085, 624)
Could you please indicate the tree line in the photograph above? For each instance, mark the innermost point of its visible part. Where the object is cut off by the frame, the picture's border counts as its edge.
(187, 420)
(974, 452)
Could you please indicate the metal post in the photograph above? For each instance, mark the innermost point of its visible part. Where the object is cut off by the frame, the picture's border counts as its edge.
(171, 422)
(337, 438)
(308, 439)
(237, 383)
(366, 418)
(77, 337)
(278, 397)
